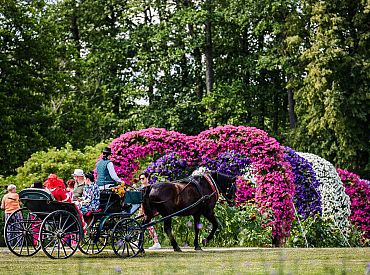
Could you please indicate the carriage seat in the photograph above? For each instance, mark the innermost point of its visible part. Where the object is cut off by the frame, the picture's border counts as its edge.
(35, 194)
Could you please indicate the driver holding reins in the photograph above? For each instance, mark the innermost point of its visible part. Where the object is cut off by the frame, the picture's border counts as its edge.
(106, 175)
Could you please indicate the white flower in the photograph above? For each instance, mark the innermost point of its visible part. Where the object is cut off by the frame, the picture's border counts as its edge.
(335, 202)
(249, 175)
(200, 171)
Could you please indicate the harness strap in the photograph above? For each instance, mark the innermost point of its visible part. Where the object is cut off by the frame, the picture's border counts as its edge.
(213, 185)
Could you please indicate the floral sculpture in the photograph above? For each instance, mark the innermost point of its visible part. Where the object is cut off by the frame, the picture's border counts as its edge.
(335, 202)
(359, 192)
(274, 177)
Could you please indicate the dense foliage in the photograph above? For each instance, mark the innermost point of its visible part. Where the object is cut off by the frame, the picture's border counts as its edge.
(61, 161)
(85, 71)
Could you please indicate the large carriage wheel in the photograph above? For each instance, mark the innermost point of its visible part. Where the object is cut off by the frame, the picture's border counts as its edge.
(92, 242)
(127, 238)
(98, 234)
(21, 233)
(60, 234)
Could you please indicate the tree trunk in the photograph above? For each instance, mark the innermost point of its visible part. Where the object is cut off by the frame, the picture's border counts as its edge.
(292, 119)
(275, 124)
(209, 49)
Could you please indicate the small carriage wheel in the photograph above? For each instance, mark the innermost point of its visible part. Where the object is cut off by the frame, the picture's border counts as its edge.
(127, 238)
(91, 244)
(60, 234)
(21, 233)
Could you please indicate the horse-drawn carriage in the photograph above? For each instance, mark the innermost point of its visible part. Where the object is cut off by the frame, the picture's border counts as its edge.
(56, 228)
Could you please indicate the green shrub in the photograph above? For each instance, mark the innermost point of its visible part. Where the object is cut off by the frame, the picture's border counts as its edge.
(321, 233)
(238, 227)
(58, 161)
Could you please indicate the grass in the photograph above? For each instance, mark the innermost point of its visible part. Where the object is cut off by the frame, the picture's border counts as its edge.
(209, 261)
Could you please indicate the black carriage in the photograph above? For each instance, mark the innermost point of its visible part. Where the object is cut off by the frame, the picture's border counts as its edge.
(56, 227)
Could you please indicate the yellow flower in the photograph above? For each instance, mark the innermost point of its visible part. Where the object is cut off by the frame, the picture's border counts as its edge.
(120, 189)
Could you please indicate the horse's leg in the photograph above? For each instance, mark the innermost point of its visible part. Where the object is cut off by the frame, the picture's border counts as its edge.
(210, 215)
(196, 230)
(168, 229)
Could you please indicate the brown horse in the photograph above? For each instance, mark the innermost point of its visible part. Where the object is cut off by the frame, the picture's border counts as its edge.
(193, 196)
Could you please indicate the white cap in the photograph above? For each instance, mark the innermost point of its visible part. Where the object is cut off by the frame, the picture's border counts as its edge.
(78, 173)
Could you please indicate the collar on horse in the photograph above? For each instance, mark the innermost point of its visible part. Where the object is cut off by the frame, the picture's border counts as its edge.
(213, 185)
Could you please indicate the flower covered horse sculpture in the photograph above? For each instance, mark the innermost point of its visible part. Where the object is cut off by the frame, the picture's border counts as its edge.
(193, 196)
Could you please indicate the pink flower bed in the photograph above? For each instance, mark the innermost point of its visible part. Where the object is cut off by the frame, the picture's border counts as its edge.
(275, 180)
(359, 192)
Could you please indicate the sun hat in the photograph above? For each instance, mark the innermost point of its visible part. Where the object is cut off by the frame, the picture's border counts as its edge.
(78, 173)
(107, 151)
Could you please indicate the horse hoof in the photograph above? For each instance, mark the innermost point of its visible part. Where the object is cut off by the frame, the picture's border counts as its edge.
(198, 248)
(177, 249)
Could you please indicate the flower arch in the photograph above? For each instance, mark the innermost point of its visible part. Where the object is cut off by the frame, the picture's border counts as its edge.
(274, 188)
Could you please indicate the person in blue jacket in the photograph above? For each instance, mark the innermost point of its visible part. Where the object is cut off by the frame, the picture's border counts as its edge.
(106, 175)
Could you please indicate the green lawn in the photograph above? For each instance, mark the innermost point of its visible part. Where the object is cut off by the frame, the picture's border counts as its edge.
(209, 261)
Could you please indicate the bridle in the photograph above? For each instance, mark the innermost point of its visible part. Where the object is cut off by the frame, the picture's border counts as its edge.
(227, 194)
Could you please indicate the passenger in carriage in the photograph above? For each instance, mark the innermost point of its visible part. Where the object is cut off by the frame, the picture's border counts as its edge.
(57, 189)
(37, 184)
(90, 200)
(56, 182)
(106, 175)
(70, 187)
(60, 194)
(79, 177)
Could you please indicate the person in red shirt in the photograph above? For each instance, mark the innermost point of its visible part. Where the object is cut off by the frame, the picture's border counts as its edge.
(57, 188)
(55, 181)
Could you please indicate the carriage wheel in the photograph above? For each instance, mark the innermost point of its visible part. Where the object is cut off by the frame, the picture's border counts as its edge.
(91, 244)
(60, 234)
(127, 238)
(21, 233)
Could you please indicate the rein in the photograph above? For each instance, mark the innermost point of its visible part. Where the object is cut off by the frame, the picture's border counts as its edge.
(177, 194)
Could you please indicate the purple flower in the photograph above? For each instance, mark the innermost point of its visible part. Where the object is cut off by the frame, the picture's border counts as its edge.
(307, 196)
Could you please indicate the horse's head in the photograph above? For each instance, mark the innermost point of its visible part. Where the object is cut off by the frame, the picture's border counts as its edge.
(226, 185)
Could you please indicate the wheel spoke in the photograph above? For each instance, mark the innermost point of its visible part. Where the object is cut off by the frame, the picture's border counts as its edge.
(55, 244)
(65, 252)
(65, 222)
(70, 226)
(19, 240)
